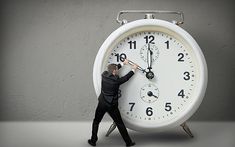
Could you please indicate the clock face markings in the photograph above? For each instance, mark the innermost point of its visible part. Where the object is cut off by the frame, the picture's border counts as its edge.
(154, 50)
(151, 103)
(149, 93)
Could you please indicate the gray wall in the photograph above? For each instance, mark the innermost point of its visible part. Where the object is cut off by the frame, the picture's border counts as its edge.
(48, 48)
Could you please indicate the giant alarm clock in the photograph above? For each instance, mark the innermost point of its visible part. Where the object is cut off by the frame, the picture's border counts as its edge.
(172, 77)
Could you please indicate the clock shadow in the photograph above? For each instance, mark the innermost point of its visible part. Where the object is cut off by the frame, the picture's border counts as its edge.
(171, 137)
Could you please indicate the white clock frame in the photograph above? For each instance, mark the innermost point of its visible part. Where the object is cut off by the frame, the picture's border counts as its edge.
(171, 29)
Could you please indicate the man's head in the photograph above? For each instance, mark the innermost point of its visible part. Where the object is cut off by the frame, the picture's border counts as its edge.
(113, 68)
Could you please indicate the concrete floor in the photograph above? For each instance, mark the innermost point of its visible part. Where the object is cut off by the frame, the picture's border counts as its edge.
(75, 134)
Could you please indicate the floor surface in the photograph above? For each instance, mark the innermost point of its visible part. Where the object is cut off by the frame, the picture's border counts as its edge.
(75, 134)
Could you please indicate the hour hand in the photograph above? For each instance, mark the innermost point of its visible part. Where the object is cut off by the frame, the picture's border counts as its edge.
(149, 74)
(140, 68)
(132, 63)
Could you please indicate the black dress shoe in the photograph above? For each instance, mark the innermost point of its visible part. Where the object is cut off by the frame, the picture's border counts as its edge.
(130, 144)
(91, 142)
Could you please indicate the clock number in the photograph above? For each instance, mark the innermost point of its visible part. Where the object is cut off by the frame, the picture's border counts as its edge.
(181, 56)
(120, 57)
(181, 93)
(132, 44)
(168, 106)
(132, 105)
(149, 111)
(187, 75)
(167, 44)
(149, 39)
(119, 93)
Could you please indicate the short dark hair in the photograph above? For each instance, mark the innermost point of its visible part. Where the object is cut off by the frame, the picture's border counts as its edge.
(112, 67)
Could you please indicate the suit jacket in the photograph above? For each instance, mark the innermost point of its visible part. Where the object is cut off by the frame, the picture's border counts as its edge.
(110, 86)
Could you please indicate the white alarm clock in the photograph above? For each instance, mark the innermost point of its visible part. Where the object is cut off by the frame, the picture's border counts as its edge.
(172, 77)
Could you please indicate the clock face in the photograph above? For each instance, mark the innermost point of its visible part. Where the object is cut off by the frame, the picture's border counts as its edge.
(168, 93)
(171, 86)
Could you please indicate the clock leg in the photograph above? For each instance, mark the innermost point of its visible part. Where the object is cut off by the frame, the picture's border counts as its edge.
(186, 129)
(112, 127)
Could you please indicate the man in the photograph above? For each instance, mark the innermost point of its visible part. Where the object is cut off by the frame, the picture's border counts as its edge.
(108, 101)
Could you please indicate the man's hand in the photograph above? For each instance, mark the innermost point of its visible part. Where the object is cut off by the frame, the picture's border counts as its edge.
(134, 67)
(125, 62)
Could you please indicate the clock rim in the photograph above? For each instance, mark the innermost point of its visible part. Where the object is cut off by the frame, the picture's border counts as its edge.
(138, 24)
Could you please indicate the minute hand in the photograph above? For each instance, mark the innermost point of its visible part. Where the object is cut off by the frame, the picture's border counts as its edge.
(149, 57)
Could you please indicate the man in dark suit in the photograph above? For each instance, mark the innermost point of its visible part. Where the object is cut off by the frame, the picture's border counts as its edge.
(108, 101)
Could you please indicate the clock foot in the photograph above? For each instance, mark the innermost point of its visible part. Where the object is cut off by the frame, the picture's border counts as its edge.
(111, 128)
(186, 129)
